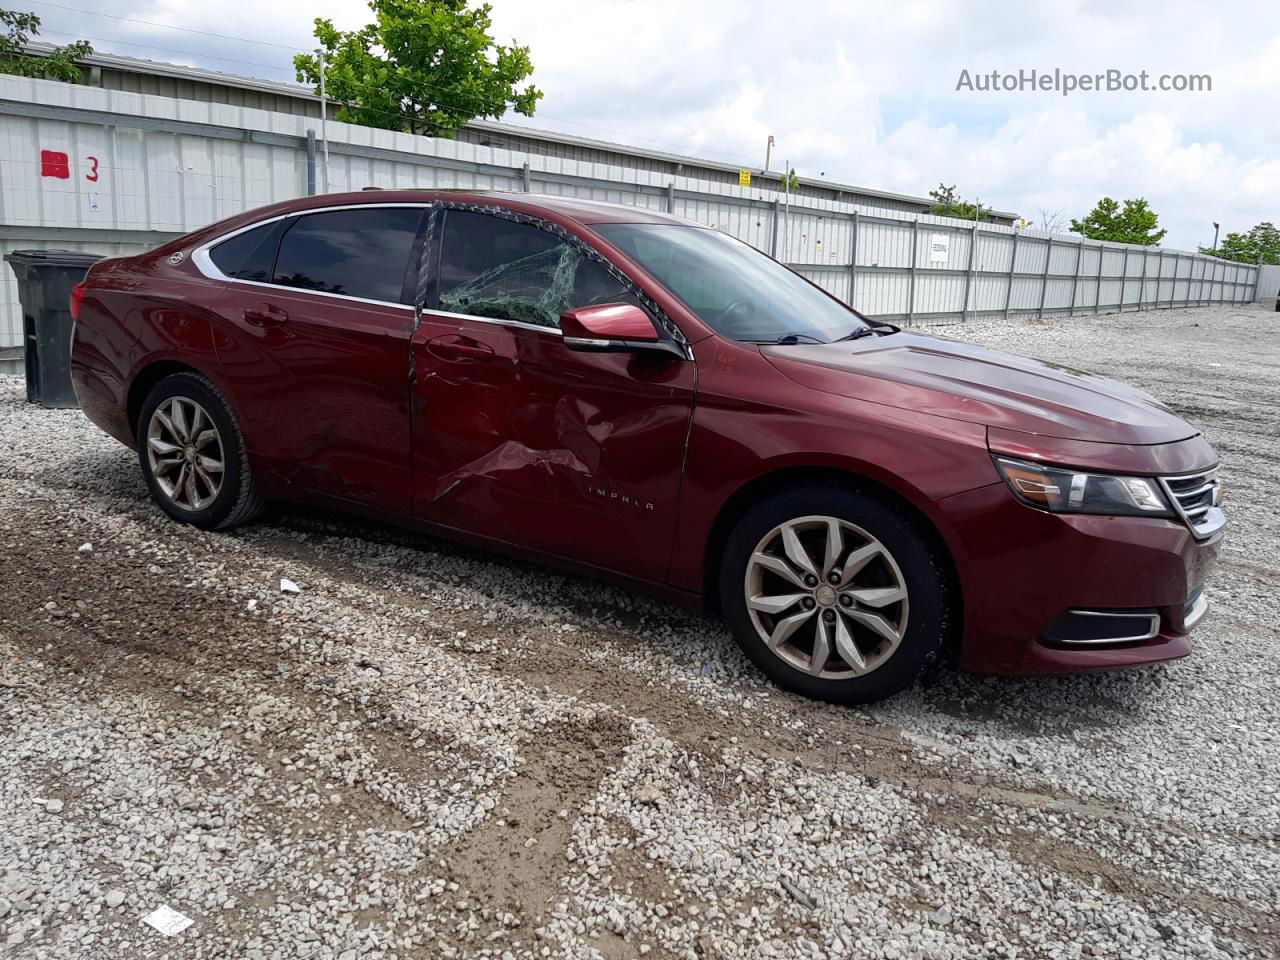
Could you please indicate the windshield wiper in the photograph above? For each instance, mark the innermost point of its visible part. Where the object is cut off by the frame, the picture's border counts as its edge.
(871, 330)
(788, 338)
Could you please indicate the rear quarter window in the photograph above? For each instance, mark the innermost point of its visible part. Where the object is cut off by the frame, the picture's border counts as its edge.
(249, 255)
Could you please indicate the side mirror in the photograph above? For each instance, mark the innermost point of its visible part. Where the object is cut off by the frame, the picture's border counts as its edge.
(613, 328)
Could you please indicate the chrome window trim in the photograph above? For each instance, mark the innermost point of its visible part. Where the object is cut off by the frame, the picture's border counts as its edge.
(204, 263)
(1153, 627)
(281, 288)
(537, 328)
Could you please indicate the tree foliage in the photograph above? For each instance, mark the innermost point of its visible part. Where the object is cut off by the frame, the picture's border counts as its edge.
(59, 64)
(1261, 244)
(947, 203)
(1135, 222)
(422, 66)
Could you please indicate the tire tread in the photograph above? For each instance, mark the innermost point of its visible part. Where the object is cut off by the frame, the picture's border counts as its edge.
(249, 502)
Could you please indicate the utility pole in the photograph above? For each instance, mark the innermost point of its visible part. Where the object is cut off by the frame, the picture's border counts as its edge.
(324, 127)
(786, 217)
(768, 152)
(1215, 236)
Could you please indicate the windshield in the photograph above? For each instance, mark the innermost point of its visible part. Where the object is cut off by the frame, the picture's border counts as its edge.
(732, 287)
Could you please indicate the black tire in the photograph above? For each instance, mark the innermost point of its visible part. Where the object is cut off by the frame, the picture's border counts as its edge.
(929, 616)
(237, 500)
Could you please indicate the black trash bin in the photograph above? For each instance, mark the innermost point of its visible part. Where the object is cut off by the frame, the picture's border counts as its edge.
(45, 279)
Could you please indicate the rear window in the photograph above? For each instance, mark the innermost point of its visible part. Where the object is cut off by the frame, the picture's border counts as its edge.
(248, 255)
(356, 253)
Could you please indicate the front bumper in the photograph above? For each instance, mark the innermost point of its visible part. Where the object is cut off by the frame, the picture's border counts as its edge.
(1022, 570)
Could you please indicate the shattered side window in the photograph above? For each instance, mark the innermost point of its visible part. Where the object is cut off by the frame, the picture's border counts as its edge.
(503, 270)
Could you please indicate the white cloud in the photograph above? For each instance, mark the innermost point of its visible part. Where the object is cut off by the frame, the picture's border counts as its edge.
(865, 92)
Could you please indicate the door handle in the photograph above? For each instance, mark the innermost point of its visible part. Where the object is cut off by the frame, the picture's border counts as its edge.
(454, 348)
(265, 315)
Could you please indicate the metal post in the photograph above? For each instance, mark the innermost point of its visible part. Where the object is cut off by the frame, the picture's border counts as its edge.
(968, 274)
(853, 260)
(1124, 278)
(1257, 275)
(1159, 277)
(311, 162)
(1097, 283)
(1075, 284)
(324, 124)
(777, 217)
(1044, 280)
(1013, 265)
(911, 283)
(1142, 283)
(671, 197)
(786, 203)
(1173, 291)
(525, 179)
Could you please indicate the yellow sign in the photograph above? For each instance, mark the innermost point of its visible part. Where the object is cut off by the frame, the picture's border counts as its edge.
(744, 178)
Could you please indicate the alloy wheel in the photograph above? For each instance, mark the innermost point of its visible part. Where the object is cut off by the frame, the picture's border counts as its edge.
(826, 597)
(185, 452)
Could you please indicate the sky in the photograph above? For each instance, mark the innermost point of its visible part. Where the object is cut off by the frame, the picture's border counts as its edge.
(870, 94)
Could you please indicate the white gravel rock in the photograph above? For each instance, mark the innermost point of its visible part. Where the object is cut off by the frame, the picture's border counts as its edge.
(433, 752)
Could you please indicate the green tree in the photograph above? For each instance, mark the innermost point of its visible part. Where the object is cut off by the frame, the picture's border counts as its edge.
(789, 180)
(1134, 223)
(947, 203)
(59, 64)
(1263, 241)
(422, 66)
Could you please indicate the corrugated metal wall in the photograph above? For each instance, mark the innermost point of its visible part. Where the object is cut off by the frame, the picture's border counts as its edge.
(1268, 285)
(189, 83)
(116, 172)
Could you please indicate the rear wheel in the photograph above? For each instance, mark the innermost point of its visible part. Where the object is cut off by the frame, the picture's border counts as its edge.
(192, 454)
(835, 594)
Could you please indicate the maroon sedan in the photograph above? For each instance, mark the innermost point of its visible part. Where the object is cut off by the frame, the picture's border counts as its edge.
(639, 398)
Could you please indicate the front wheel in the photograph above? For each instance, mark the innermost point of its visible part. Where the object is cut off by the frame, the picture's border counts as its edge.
(192, 454)
(835, 594)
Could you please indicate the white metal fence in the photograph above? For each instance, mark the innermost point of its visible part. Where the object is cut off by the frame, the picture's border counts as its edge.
(1268, 286)
(101, 170)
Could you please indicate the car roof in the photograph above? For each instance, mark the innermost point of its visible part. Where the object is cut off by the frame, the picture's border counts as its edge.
(585, 212)
(567, 211)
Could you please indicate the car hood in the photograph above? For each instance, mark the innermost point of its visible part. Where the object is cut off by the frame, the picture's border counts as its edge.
(948, 378)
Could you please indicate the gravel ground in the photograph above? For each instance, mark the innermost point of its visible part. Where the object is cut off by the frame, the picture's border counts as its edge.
(433, 752)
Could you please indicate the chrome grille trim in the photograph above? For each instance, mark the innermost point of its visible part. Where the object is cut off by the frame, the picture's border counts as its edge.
(1195, 497)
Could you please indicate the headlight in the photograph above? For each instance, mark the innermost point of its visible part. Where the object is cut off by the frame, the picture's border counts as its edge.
(1060, 490)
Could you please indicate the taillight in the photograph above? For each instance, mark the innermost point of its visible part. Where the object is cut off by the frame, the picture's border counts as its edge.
(77, 297)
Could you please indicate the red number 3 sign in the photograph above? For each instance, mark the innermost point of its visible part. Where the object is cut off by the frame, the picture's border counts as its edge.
(54, 163)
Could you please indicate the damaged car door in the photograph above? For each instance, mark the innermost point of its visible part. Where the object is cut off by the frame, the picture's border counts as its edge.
(312, 329)
(519, 438)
